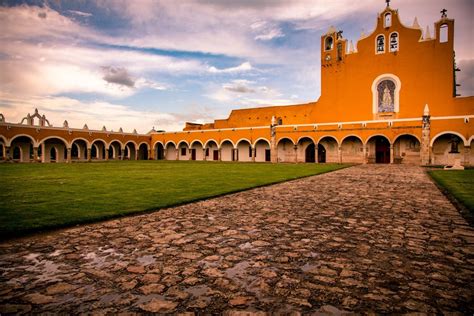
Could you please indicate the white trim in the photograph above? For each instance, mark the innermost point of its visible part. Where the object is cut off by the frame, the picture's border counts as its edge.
(284, 137)
(396, 93)
(376, 44)
(211, 140)
(352, 135)
(406, 134)
(375, 135)
(226, 140)
(312, 139)
(242, 139)
(435, 118)
(448, 132)
(158, 142)
(398, 42)
(170, 142)
(470, 140)
(330, 136)
(8, 143)
(196, 141)
(147, 146)
(182, 142)
(130, 141)
(99, 139)
(88, 144)
(51, 137)
(115, 140)
(259, 139)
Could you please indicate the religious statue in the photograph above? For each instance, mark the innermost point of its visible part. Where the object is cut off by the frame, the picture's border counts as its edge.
(385, 90)
(387, 98)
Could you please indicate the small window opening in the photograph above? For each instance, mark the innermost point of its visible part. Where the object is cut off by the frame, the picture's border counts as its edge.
(393, 42)
(329, 42)
(339, 51)
(250, 151)
(388, 20)
(183, 151)
(380, 44)
(443, 33)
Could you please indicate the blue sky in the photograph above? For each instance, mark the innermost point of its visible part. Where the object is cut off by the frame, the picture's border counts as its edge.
(139, 64)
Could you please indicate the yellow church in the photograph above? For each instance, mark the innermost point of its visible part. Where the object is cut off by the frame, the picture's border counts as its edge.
(391, 98)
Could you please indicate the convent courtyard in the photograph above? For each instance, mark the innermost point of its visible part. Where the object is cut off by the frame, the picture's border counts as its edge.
(369, 238)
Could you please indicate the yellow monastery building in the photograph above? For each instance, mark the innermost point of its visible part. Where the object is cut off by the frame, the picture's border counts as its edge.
(393, 100)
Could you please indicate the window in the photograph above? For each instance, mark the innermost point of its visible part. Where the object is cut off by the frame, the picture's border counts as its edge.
(386, 96)
(388, 20)
(183, 151)
(393, 42)
(443, 33)
(207, 152)
(250, 151)
(328, 43)
(380, 44)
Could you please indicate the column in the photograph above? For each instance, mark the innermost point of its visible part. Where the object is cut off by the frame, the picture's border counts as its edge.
(204, 158)
(106, 154)
(177, 154)
(123, 153)
(136, 154)
(273, 150)
(7, 153)
(190, 154)
(254, 154)
(364, 153)
(316, 153)
(391, 153)
(426, 150)
(236, 154)
(339, 153)
(43, 151)
(69, 155)
(295, 148)
(219, 151)
(149, 155)
(467, 154)
(35, 154)
(89, 154)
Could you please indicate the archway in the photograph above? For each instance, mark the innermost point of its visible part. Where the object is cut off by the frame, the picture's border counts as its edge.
(143, 152)
(98, 150)
(227, 151)
(212, 150)
(262, 150)
(244, 150)
(196, 151)
(159, 151)
(129, 151)
(115, 150)
(25, 145)
(306, 150)
(54, 150)
(286, 150)
(406, 150)
(79, 150)
(328, 151)
(171, 151)
(183, 150)
(447, 148)
(378, 149)
(352, 150)
(2, 151)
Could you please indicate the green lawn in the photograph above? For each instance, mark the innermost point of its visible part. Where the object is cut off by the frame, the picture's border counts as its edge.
(34, 197)
(460, 183)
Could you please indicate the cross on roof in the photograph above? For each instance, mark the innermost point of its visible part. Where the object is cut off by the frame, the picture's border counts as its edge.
(444, 13)
(388, 2)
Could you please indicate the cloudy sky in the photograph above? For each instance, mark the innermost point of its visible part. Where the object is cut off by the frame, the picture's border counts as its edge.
(144, 63)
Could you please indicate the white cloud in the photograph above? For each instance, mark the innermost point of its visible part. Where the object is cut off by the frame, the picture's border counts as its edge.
(246, 66)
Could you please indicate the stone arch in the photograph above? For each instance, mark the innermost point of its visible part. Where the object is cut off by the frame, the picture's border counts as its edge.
(407, 149)
(2, 151)
(226, 148)
(171, 151)
(212, 150)
(262, 150)
(159, 150)
(60, 149)
(306, 151)
(25, 143)
(142, 151)
(115, 149)
(396, 92)
(446, 148)
(286, 150)
(98, 149)
(183, 148)
(130, 150)
(378, 149)
(244, 150)
(33, 141)
(352, 149)
(328, 149)
(196, 150)
(449, 132)
(79, 148)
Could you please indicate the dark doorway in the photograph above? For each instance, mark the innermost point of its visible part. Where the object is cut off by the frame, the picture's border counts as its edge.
(53, 155)
(382, 150)
(159, 152)
(215, 154)
(310, 154)
(321, 153)
(16, 153)
(268, 156)
(193, 154)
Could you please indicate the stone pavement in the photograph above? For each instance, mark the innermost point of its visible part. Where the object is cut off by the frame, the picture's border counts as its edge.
(371, 238)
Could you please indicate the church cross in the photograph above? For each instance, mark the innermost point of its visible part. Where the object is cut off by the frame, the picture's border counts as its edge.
(443, 13)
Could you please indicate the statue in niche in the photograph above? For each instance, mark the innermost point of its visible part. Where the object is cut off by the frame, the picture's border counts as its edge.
(386, 91)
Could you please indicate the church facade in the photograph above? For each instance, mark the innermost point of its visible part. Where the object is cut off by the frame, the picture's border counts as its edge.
(391, 100)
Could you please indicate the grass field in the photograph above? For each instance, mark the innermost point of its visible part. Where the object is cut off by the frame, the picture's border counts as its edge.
(35, 197)
(459, 183)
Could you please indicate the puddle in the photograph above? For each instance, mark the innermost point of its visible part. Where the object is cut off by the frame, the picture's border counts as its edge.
(107, 258)
(146, 260)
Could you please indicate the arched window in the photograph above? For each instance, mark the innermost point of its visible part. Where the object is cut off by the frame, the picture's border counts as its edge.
(380, 44)
(339, 51)
(394, 42)
(328, 43)
(386, 96)
(388, 20)
(443, 33)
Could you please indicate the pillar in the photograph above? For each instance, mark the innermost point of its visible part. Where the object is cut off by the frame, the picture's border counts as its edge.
(89, 154)
(219, 151)
(35, 154)
(425, 138)
(106, 154)
(295, 148)
(177, 153)
(7, 153)
(339, 154)
(136, 154)
(391, 153)
(149, 155)
(43, 152)
(190, 154)
(204, 158)
(273, 150)
(254, 153)
(467, 154)
(236, 154)
(316, 153)
(364, 153)
(69, 155)
(122, 152)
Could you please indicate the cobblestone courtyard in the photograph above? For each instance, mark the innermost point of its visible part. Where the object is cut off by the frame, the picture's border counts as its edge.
(378, 238)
